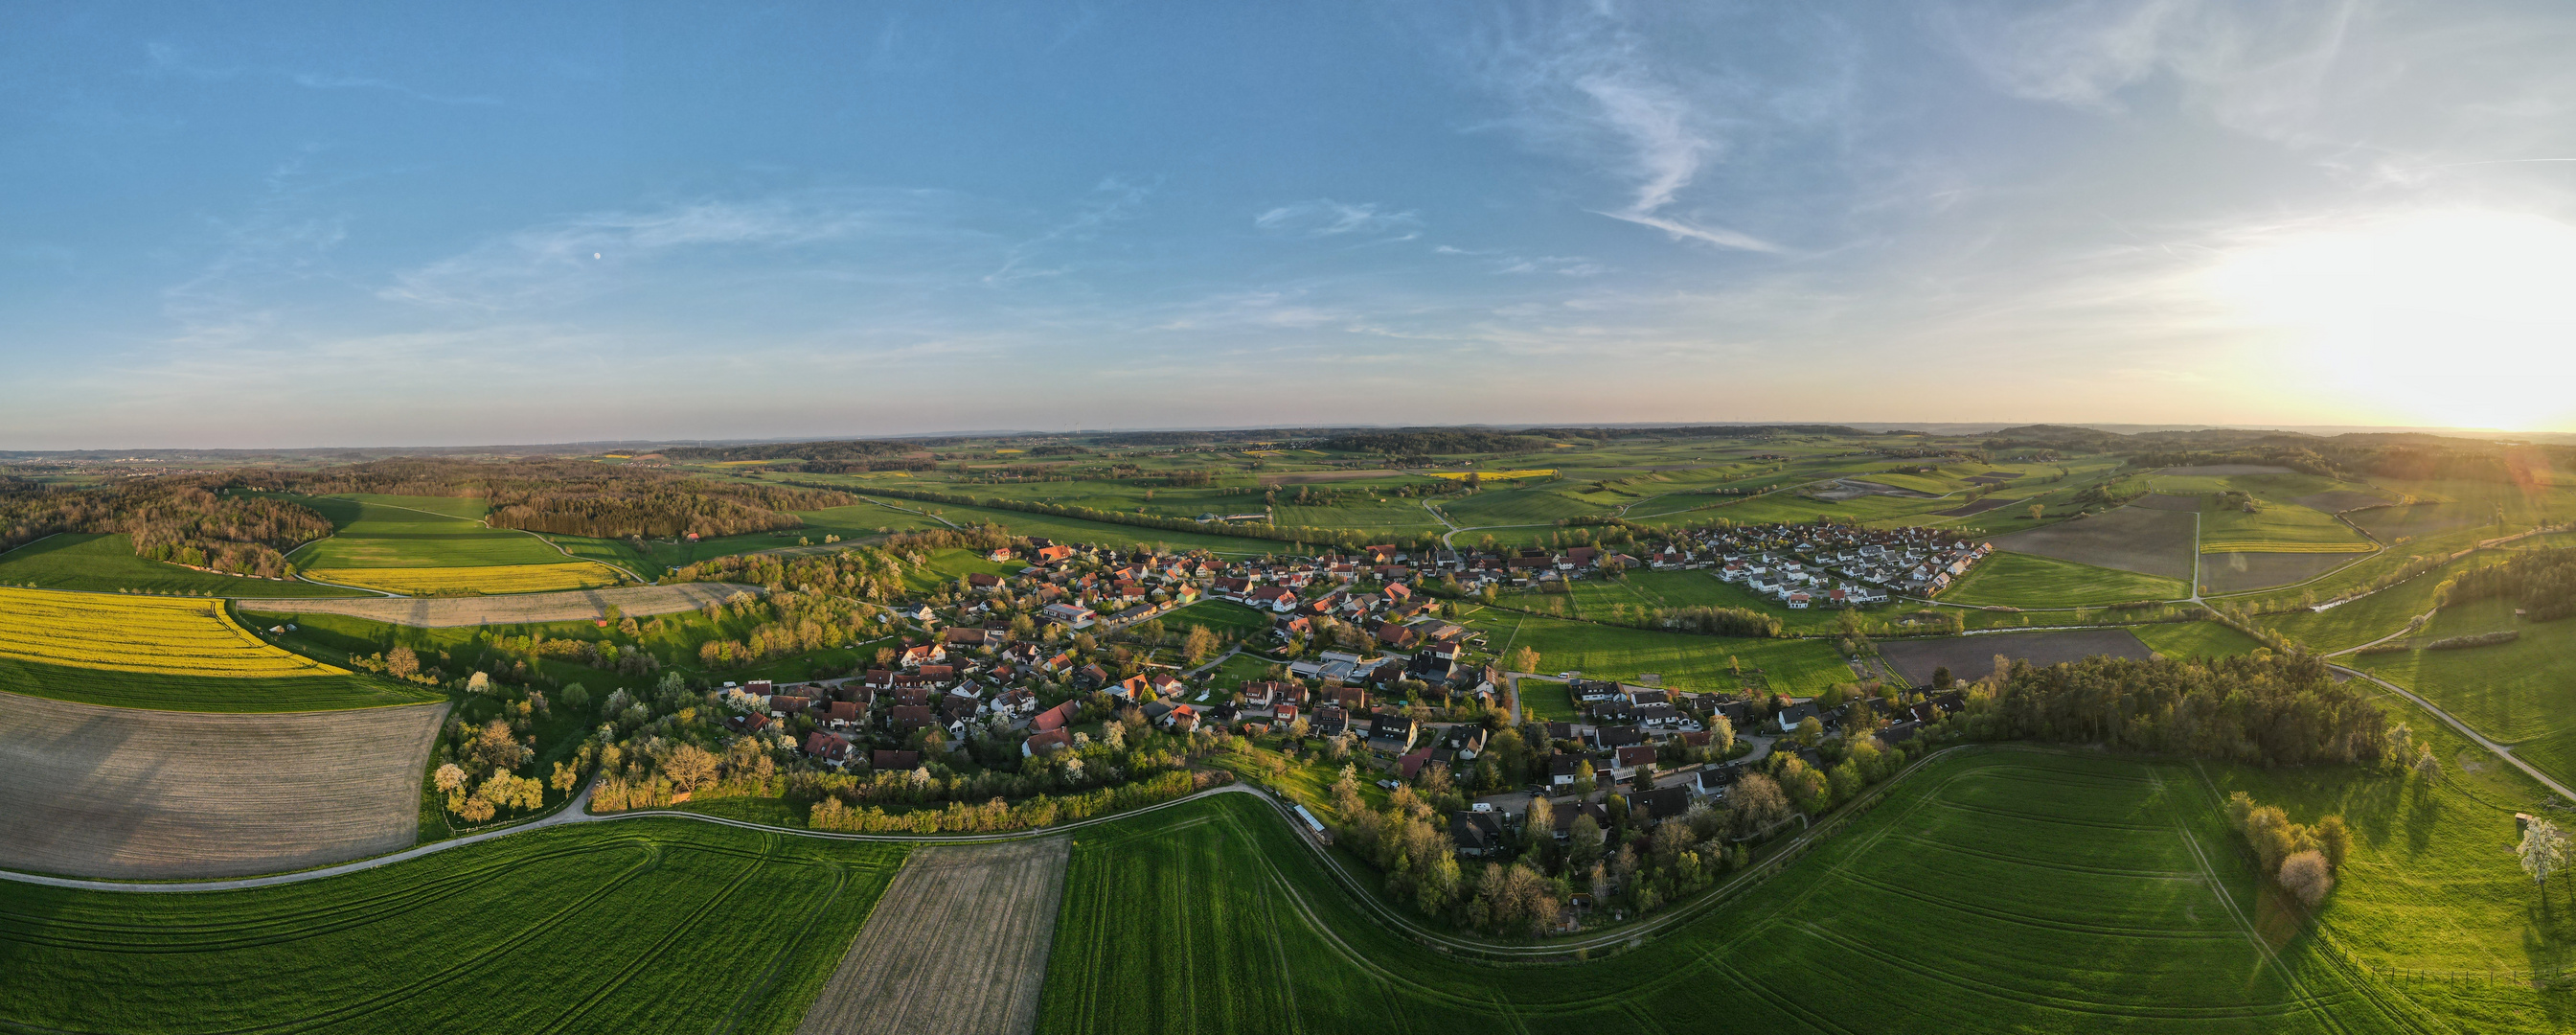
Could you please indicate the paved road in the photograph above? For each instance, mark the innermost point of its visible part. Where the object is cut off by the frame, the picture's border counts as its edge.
(2500, 750)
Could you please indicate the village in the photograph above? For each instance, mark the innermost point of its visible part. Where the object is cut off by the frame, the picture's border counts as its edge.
(1030, 671)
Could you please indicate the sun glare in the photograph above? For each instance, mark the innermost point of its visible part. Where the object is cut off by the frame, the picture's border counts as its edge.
(2465, 319)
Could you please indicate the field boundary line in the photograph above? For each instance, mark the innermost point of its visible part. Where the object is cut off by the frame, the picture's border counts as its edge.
(2227, 901)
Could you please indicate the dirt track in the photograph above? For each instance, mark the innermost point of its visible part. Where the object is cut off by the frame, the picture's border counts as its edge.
(570, 606)
(146, 795)
(2151, 542)
(958, 944)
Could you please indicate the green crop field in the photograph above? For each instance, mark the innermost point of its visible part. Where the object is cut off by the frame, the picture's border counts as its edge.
(1992, 891)
(1686, 661)
(638, 925)
(2224, 528)
(1524, 504)
(396, 532)
(194, 693)
(107, 564)
(2521, 693)
(2028, 580)
(2194, 639)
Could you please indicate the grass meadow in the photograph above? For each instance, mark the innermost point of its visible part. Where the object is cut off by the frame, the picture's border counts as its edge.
(637, 925)
(1686, 661)
(2028, 580)
(2379, 614)
(2194, 639)
(1994, 890)
(2521, 693)
(107, 564)
(415, 532)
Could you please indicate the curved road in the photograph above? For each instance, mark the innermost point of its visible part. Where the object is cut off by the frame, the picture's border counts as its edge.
(2501, 751)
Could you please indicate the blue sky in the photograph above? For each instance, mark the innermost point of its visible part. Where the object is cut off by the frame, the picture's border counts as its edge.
(308, 225)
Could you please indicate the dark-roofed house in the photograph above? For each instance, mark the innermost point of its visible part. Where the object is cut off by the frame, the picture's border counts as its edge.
(1330, 721)
(891, 760)
(1477, 833)
(1661, 804)
(1391, 731)
(905, 718)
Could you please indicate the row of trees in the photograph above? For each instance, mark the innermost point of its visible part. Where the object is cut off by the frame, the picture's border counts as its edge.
(571, 497)
(2540, 582)
(2274, 708)
(175, 519)
(2302, 859)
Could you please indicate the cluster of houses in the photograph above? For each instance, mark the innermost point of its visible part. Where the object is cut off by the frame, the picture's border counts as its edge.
(1626, 729)
(1869, 563)
(966, 672)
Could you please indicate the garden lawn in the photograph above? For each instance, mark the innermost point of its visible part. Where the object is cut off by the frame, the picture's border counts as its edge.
(1546, 700)
(1994, 890)
(614, 927)
(1223, 617)
(2027, 580)
(107, 564)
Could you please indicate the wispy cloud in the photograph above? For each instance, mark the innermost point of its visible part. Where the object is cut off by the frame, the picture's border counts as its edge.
(1113, 201)
(1593, 82)
(166, 59)
(1325, 217)
(566, 259)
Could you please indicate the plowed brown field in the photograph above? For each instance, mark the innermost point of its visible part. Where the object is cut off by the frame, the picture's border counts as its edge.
(575, 606)
(142, 795)
(958, 944)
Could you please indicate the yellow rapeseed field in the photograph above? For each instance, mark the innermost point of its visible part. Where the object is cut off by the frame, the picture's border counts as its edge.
(1498, 476)
(171, 636)
(504, 578)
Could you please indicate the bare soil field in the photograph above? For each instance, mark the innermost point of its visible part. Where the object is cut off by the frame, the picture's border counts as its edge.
(145, 795)
(1979, 507)
(2224, 469)
(570, 606)
(1972, 657)
(1854, 488)
(2340, 500)
(1317, 477)
(957, 944)
(2150, 542)
(2421, 520)
(2245, 572)
(2165, 501)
